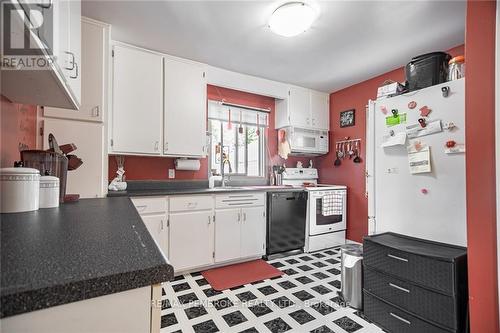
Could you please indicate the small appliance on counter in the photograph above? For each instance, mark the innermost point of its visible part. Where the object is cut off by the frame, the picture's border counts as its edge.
(19, 190)
(56, 161)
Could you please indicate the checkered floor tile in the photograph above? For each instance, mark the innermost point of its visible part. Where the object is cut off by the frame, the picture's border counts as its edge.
(303, 300)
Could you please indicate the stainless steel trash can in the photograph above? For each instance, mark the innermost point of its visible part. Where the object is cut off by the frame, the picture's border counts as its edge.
(352, 274)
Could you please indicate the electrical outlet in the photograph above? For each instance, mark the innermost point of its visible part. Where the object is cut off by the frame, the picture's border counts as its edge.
(171, 173)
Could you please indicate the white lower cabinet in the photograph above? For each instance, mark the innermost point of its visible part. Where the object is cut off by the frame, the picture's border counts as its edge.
(191, 239)
(253, 229)
(227, 226)
(198, 231)
(240, 224)
(157, 227)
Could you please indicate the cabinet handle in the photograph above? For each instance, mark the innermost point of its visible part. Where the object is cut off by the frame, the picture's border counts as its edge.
(166, 145)
(400, 319)
(162, 227)
(209, 220)
(239, 217)
(156, 145)
(395, 286)
(244, 216)
(397, 258)
(76, 72)
(44, 5)
(72, 62)
(95, 111)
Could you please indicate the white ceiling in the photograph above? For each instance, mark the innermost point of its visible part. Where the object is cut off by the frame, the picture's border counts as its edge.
(351, 41)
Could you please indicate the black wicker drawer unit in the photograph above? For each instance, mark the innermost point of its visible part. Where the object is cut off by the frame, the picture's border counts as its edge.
(420, 281)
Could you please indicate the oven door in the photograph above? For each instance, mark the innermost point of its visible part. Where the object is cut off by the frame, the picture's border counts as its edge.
(331, 220)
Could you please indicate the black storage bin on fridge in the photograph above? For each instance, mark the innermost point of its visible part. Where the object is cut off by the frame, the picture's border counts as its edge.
(427, 70)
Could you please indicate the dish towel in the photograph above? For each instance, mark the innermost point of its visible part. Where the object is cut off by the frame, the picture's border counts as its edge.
(331, 204)
(283, 145)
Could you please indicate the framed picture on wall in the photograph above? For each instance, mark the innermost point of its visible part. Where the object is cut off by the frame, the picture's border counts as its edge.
(347, 118)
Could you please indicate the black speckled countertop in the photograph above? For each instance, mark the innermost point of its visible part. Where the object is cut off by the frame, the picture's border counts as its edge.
(78, 251)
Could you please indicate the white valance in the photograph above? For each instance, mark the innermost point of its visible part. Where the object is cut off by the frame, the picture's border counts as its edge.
(218, 111)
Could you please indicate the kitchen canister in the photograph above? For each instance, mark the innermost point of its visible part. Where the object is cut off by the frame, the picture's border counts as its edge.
(49, 192)
(19, 190)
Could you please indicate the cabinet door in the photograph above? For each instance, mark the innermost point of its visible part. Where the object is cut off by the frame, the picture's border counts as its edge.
(253, 231)
(157, 227)
(90, 179)
(320, 114)
(185, 109)
(136, 123)
(227, 234)
(299, 107)
(92, 74)
(191, 240)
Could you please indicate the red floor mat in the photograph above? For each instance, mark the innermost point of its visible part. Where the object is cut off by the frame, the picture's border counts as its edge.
(239, 274)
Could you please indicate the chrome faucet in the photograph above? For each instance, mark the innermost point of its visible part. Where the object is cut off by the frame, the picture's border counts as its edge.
(225, 160)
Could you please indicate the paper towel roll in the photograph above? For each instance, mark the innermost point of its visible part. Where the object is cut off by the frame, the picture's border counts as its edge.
(184, 164)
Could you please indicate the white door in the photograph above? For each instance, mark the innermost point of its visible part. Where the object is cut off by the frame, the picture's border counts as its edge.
(93, 75)
(191, 244)
(299, 107)
(227, 234)
(185, 109)
(136, 123)
(253, 231)
(157, 227)
(320, 114)
(90, 179)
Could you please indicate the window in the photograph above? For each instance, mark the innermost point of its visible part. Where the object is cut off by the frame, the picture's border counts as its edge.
(237, 136)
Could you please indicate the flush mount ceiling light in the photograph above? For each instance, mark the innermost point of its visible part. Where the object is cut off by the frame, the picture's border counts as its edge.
(292, 19)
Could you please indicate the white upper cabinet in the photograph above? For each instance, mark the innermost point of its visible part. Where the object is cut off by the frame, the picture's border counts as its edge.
(137, 101)
(303, 108)
(93, 71)
(298, 107)
(55, 37)
(185, 109)
(320, 110)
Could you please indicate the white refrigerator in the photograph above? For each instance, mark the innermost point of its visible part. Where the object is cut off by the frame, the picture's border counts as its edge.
(415, 181)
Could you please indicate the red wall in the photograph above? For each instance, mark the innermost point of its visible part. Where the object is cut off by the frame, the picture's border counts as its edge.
(156, 168)
(349, 173)
(480, 165)
(18, 129)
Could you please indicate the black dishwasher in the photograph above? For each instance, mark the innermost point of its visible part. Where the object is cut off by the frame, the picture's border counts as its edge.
(286, 221)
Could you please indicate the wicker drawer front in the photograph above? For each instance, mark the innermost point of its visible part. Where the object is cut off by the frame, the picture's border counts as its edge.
(430, 305)
(394, 320)
(421, 270)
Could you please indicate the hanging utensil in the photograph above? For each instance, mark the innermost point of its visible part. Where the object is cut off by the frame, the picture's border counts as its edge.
(258, 128)
(357, 159)
(340, 153)
(240, 129)
(351, 150)
(337, 152)
(229, 124)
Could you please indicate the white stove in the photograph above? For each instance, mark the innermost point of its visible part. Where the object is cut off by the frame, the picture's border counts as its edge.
(326, 209)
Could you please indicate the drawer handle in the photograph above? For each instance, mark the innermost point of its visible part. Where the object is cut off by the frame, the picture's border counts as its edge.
(397, 258)
(400, 319)
(395, 286)
(192, 204)
(141, 208)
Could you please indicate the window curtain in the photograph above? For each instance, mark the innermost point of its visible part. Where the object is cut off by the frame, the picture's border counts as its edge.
(217, 111)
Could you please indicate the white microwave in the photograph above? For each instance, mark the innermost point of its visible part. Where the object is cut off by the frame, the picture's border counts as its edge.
(306, 141)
